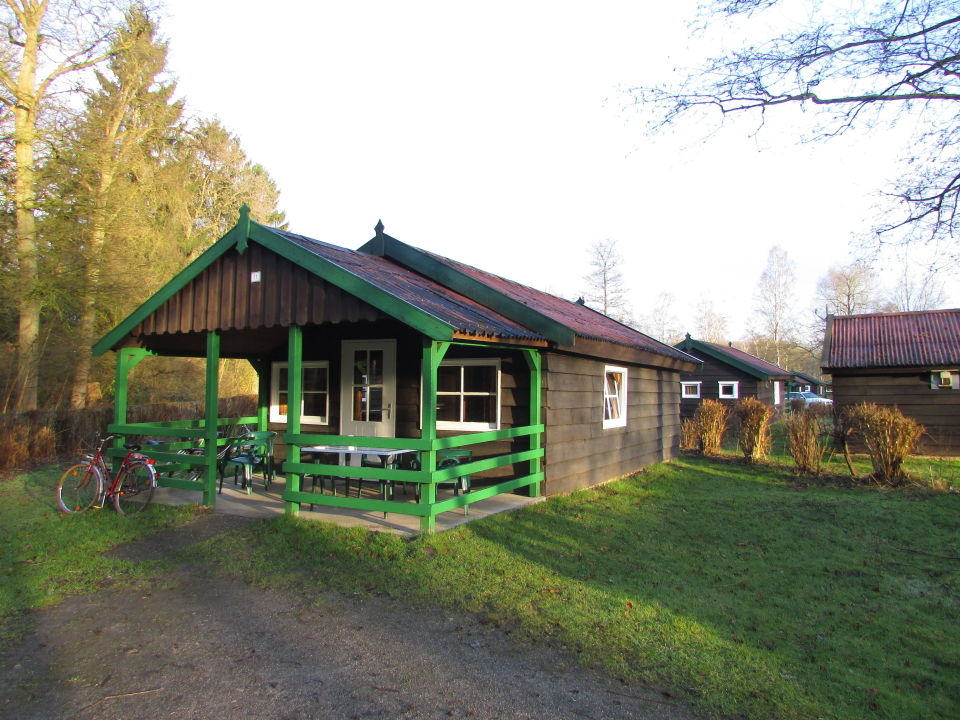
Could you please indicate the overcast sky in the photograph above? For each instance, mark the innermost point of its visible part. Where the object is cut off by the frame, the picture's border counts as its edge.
(500, 134)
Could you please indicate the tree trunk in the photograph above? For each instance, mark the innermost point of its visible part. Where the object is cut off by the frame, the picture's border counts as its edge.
(24, 135)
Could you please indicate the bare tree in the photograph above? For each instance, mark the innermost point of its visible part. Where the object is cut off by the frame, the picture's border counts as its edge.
(44, 42)
(661, 322)
(847, 290)
(606, 289)
(917, 290)
(774, 300)
(882, 60)
(710, 325)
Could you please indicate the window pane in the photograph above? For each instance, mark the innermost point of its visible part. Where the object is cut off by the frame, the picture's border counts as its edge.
(613, 380)
(448, 407)
(282, 403)
(314, 378)
(375, 375)
(359, 366)
(282, 377)
(448, 378)
(480, 409)
(315, 404)
(375, 404)
(479, 378)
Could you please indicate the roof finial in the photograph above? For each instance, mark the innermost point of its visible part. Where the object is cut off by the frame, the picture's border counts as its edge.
(580, 301)
(379, 228)
(243, 228)
(688, 336)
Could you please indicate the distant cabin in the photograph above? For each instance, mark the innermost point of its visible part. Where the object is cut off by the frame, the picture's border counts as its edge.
(728, 374)
(910, 360)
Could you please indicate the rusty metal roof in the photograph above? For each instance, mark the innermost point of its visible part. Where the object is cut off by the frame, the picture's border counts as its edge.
(928, 338)
(464, 314)
(584, 321)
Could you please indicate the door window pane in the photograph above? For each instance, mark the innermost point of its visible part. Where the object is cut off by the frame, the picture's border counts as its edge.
(375, 366)
(375, 404)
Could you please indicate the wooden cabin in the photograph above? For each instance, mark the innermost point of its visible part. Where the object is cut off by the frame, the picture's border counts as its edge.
(907, 359)
(391, 346)
(802, 382)
(728, 374)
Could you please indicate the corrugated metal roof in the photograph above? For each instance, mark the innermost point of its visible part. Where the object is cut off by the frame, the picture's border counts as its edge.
(464, 314)
(928, 338)
(584, 322)
(736, 357)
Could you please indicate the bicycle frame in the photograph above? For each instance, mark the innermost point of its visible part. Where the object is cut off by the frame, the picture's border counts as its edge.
(111, 482)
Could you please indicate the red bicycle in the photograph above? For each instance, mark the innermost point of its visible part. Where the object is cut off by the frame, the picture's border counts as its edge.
(86, 485)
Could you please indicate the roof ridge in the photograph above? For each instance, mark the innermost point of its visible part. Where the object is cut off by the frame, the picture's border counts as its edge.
(896, 313)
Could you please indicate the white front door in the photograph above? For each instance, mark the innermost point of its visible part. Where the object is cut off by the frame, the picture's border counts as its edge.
(368, 387)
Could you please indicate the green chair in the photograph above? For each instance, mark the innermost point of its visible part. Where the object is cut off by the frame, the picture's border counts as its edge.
(445, 459)
(254, 452)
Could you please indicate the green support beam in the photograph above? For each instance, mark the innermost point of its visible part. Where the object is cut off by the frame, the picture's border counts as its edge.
(534, 362)
(127, 359)
(433, 353)
(263, 391)
(294, 404)
(212, 395)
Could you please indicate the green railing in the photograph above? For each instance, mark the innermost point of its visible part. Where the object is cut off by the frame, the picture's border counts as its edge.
(423, 477)
(166, 455)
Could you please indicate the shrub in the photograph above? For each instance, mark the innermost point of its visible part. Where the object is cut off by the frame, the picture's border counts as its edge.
(808, 434)
(689, 438)
(710, 420)
(889, 437)
(754, 436)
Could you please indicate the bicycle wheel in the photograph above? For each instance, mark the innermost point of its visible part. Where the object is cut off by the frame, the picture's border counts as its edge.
(79, 487)
(135, 489)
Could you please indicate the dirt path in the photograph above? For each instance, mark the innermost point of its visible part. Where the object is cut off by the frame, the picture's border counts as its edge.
(200, 646)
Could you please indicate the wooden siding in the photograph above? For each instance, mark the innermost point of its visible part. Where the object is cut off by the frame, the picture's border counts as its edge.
(713, 372)
(937, 410)
(222, 297)
(579, 452)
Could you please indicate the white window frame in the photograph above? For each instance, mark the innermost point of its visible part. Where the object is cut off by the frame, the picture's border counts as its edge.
(776, 392)
(276, 415)
(684, 386)
(734, 384)
(459, 425)
(621, 419)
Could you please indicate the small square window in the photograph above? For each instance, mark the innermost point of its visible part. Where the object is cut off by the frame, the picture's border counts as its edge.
(614, 397)
(728, 390)
(315, 388)
(690, 390)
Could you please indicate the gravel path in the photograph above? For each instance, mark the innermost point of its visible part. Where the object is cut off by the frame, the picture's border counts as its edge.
(195, 645)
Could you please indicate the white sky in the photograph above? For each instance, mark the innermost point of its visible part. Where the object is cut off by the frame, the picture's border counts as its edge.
(498, 133)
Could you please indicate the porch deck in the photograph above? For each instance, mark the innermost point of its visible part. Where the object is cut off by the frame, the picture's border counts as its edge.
(260, 503)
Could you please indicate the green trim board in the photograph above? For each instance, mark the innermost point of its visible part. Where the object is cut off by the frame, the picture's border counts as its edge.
(389, 247)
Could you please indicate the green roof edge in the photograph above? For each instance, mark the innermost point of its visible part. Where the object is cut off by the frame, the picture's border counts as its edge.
(429, 325)
(386, 246)
(690, 344)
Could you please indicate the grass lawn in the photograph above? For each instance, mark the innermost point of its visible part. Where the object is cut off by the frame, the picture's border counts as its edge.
(45, 556)
(732, 587)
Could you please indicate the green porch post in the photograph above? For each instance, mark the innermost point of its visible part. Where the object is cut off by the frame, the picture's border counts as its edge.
(534, 361)
(433, 353)
(294, 403)
(127, 359)
(263, 391)
(211, 415)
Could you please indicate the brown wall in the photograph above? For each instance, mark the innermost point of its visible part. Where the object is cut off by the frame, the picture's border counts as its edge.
(713, 371)
(579, 452)
(908, 389)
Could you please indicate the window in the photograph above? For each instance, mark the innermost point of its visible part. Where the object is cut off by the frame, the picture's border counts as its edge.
(944, 379)
(316, 393)
(468, 394)
(728, 390)
(689, 389)
(614, 397)
(776, 392)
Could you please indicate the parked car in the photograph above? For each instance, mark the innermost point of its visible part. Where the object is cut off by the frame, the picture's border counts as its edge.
(809, 398)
